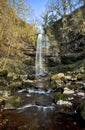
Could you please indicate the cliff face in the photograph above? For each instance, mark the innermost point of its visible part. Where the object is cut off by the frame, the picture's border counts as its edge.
(69, 37)
(15, 37)
(75, 50)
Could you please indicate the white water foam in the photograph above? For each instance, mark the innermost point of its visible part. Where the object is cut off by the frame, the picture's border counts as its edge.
(44, 108)
(39, 91)
(61, 102)
(22, 90)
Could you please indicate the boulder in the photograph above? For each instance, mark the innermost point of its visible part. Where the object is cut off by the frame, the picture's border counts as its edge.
(68, 78)
(68, 91)
(81, 110)
(59, 96)
(80, 76)
(57, 76)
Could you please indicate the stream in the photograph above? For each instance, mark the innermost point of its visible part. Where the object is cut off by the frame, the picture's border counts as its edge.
(37, 111)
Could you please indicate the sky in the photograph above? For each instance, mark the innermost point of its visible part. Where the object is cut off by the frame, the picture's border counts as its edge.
(38, 7)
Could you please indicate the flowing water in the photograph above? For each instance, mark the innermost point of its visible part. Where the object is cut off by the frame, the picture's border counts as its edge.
(41, 52)
(37, 111)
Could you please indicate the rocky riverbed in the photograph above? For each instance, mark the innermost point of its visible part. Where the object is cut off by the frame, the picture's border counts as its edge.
(45, 103)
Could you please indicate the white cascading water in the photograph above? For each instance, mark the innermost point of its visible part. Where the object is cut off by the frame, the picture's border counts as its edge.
(41, 51)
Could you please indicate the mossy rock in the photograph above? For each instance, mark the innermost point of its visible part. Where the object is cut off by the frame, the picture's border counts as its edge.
(15, 84)
(60, 96)
(80, 76)
(57, 76)
(3, 82)
(81, 110)
(31, 77)
(14, 100)
(54, 86)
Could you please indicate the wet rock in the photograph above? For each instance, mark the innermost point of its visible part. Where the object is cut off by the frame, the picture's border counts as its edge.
(59, 96)
(68, 91)
(57, 85)
(58, 89)
(13, 101)
(83, 88)
(61, 102)
(43, 100)
(28, 83)
(81, 110)
(31, 76)
(2, 104)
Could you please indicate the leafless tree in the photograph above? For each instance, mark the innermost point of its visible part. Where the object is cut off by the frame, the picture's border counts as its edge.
(21, 8)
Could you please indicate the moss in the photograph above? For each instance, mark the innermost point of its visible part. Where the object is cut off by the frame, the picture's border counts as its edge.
(14, 100)
(14, 84)
(80, 76)
(59, 96)
(22, 23)
(82, 110)
(70, 58)
(68, 67)
(57, 76)
(62, 68)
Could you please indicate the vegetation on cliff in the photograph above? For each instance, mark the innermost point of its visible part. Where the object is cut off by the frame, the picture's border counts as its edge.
(66, 34)
(15, 35)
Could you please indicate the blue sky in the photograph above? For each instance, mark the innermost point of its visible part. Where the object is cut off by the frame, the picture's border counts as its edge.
(38, 6)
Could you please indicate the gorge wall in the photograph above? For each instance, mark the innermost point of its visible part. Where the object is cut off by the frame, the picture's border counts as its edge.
(67, 39)
(17, 41)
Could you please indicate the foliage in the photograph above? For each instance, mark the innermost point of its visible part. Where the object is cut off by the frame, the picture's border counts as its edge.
(57, 9)
(21, 7)
(15, 34)
(22, 23)
(3, 73)
(67, 29)
(64, 68)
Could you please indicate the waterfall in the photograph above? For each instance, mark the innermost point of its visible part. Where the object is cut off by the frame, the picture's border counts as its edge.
(41, 52)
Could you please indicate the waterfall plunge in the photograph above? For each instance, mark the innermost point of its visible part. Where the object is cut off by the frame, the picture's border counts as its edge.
(41, 52)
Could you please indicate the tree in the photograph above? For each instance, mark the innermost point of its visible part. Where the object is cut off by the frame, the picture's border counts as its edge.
(82, 1)
(45, 20)
(57, 9)
(21, 8)
(60, 8)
